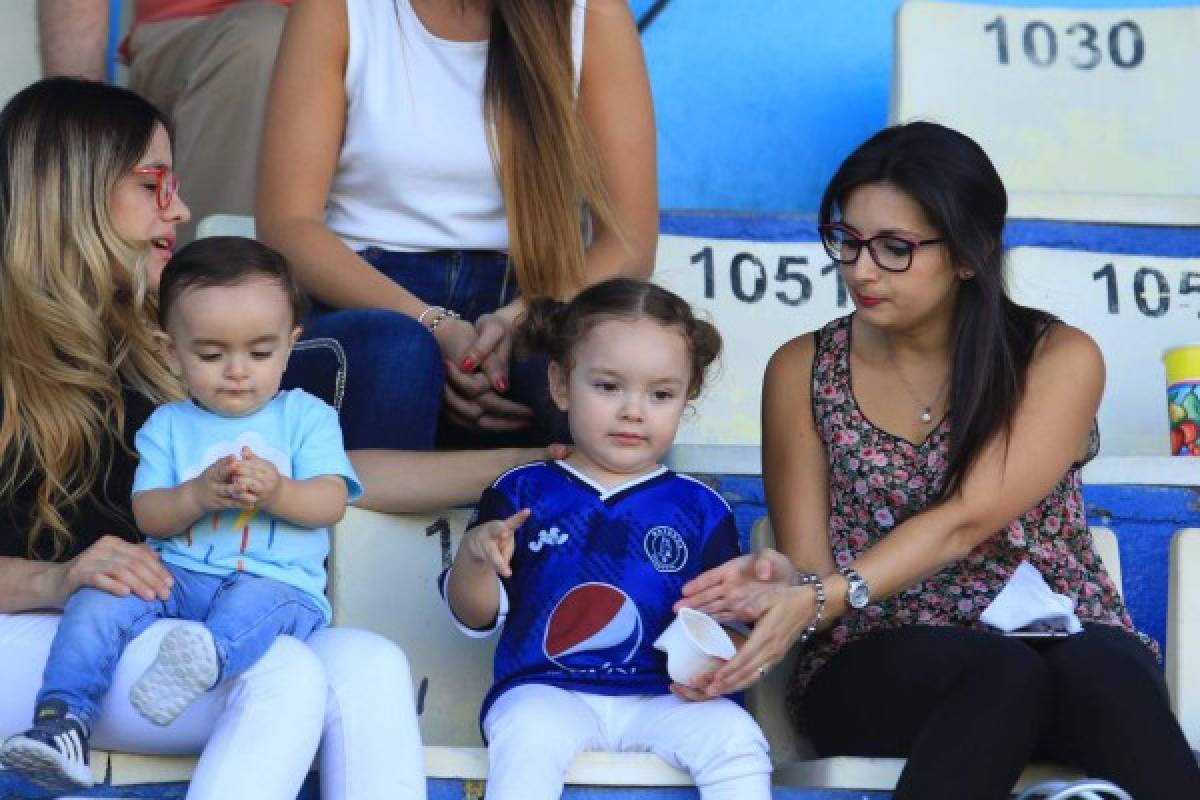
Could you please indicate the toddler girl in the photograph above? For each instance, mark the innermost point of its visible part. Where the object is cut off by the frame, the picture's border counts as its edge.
(581, 559)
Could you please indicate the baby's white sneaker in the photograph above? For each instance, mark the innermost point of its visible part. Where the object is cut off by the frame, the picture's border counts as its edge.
(185, 668)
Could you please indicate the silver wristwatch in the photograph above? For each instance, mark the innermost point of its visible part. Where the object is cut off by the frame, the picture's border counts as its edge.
(858, 592)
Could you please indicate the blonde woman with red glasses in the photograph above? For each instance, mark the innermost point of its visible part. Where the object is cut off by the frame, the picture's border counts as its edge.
(89, 206)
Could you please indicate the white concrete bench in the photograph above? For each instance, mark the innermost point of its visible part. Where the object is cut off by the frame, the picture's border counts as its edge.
(1069, 103)
(1135, 307)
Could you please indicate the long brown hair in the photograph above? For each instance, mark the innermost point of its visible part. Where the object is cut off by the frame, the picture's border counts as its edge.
(548, 166)
(75, 316)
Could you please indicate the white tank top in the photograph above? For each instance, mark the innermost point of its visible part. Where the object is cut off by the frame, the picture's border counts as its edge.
(414, 172)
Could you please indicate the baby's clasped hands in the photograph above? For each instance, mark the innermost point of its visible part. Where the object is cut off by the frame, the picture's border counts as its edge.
(232, 482)
(254, 481)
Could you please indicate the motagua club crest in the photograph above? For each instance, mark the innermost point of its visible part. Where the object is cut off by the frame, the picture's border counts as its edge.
(666, 549)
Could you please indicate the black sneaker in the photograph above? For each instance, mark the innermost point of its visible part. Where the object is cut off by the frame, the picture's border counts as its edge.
(54, 752)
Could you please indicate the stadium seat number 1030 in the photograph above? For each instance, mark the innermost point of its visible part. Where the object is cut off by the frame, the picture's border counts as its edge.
(1081, 44)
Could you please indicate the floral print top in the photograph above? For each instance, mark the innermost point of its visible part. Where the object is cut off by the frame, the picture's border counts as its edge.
(878, 480)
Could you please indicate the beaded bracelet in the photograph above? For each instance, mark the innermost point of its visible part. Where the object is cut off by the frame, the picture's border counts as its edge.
(428, 309)
(809, 579)
(442, 315)
(448, 314)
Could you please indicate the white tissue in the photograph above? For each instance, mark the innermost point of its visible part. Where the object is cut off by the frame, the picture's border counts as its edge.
(1026, 600)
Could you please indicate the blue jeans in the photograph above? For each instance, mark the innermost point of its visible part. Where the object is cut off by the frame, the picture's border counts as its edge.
(394, 372)
(244, 613)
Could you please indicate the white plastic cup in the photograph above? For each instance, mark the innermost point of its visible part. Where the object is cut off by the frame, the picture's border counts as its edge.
(695, 644)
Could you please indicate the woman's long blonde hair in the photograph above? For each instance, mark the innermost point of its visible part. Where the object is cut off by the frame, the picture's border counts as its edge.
(74, 312)
(548, 166)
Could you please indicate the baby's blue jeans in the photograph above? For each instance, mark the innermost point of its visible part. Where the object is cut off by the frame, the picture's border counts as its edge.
(244, 613)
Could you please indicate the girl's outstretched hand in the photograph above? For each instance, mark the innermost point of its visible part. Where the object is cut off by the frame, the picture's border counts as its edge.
(728, 592)
(492, 542)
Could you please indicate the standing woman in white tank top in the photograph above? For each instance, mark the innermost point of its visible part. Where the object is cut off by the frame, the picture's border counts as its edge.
(425, 169)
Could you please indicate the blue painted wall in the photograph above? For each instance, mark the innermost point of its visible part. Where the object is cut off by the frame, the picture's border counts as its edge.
(759, 100)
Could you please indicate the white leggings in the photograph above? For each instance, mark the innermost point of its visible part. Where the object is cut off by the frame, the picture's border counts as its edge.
(347, 690)
(534, 732)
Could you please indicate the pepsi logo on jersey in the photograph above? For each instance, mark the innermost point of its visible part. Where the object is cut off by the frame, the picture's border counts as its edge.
(595, 627)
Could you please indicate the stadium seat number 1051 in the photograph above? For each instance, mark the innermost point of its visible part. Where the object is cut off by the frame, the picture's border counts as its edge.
(1084, 45)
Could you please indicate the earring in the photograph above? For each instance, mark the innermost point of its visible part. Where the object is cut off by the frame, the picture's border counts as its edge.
(967, 274)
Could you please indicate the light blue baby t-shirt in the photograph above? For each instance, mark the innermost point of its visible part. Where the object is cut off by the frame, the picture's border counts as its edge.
(296, 432)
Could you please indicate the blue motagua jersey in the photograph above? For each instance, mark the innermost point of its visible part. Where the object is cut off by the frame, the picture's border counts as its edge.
(595, 573)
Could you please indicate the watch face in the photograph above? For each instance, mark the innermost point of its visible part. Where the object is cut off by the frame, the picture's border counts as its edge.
(859, 595)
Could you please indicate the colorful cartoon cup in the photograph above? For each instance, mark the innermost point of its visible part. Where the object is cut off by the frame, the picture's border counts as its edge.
(1183, 398)
(695, 644)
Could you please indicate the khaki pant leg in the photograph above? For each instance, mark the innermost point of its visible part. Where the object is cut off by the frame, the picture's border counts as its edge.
(211, 75)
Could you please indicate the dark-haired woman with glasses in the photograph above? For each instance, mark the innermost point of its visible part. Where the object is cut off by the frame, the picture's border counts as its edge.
(915, 453)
